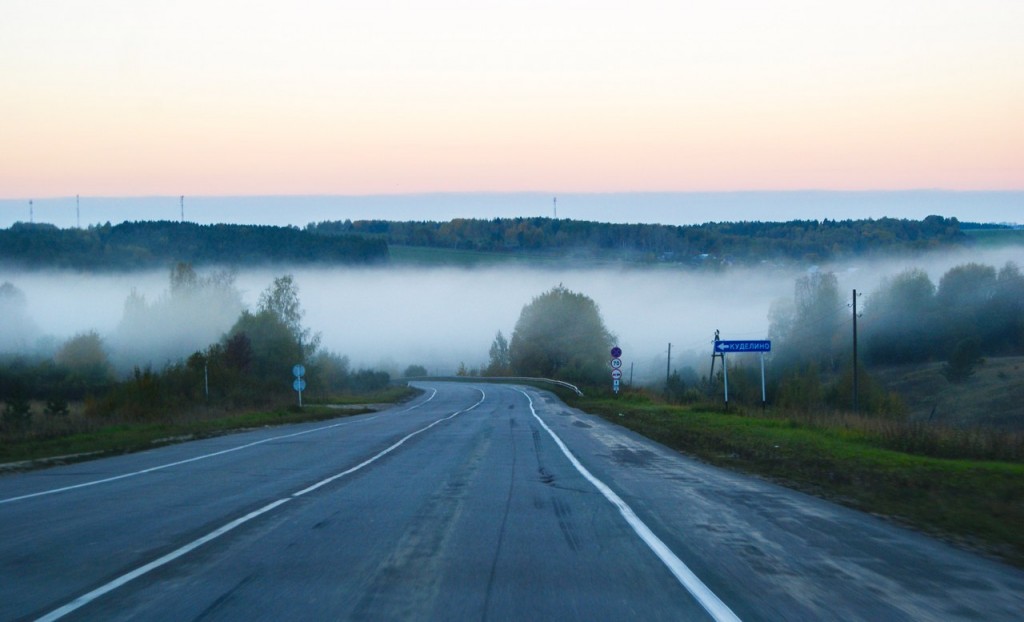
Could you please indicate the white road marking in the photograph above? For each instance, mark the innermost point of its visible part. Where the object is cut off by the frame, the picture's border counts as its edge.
(203, 457)
(483, 396)
(711, 603)
(81, 601)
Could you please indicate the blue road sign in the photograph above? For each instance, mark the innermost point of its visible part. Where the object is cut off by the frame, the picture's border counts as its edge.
(743, 346)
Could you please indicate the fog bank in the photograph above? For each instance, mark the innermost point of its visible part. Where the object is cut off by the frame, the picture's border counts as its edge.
(391, 317)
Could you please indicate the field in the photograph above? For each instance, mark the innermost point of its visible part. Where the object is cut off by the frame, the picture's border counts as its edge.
(993, 396)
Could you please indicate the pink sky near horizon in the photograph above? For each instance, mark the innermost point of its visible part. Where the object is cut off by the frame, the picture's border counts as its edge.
(119, 98)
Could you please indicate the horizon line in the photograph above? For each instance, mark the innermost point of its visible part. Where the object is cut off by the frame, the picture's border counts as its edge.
(522, 192)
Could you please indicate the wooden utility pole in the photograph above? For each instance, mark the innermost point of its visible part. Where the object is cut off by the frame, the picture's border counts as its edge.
(854, 351)
(715, 354)
(668, 367)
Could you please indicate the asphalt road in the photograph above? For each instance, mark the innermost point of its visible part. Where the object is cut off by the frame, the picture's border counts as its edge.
(473, 502)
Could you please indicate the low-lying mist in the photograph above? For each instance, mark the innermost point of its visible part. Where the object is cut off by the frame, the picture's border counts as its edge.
(390, 318)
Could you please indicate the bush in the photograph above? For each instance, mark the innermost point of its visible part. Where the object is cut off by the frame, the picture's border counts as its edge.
(414, 371)
(17, 413)
(57, 407)
(962, 360)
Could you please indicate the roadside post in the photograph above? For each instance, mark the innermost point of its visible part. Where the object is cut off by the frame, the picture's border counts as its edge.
(299, 384)
(616, 368)
(759, 346)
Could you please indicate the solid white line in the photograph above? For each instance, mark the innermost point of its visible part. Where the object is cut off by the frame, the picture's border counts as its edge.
(203, 457)
(81, 601)
(711, 603)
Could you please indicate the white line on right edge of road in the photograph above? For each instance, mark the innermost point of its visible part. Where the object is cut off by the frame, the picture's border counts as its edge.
(711, 603)
(85, 599)
(202, 457)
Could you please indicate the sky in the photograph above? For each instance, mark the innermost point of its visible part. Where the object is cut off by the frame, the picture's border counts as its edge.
(128, 98)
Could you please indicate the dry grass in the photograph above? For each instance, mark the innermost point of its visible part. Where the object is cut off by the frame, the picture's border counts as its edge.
(993, 396)
(78, 433)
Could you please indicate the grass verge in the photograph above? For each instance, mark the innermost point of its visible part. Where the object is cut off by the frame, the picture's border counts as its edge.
(975, 504)
(30, 452)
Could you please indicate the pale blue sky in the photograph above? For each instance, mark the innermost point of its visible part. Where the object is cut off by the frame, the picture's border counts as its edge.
(667, 208)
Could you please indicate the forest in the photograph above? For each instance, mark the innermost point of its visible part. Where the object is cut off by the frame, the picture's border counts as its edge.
(132, 245)
(704, 245)
(135, 245)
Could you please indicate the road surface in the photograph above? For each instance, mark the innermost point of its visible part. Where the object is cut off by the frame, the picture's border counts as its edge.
(472, 502)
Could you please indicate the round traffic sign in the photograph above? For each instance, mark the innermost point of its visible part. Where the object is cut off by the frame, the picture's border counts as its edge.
(298, 371)
(299, 384)
(616, 352)
(616, 374)
(616, 363)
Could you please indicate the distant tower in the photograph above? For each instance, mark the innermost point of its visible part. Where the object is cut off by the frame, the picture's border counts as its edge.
(31, 213)
(182, 200)
(556, 208)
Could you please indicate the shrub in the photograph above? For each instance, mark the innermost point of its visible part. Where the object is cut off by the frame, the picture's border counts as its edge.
(962, 360)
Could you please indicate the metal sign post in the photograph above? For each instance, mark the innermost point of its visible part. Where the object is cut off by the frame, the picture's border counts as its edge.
(616, 368)
(759, 346)
(299, 384)
(725, 376)
(764, 396)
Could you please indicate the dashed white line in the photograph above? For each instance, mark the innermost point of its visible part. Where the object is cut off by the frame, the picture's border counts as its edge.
(81, 601)
(198, 458)
(85, 599)
(707, 599)
(398, 444)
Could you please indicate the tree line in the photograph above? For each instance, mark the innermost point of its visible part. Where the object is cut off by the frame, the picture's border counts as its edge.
(974, 311)
(131, 245)
(704, 244)
(247, 365)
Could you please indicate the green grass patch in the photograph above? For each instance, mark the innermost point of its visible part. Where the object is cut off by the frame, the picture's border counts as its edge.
(136, 436)
(974, 503)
